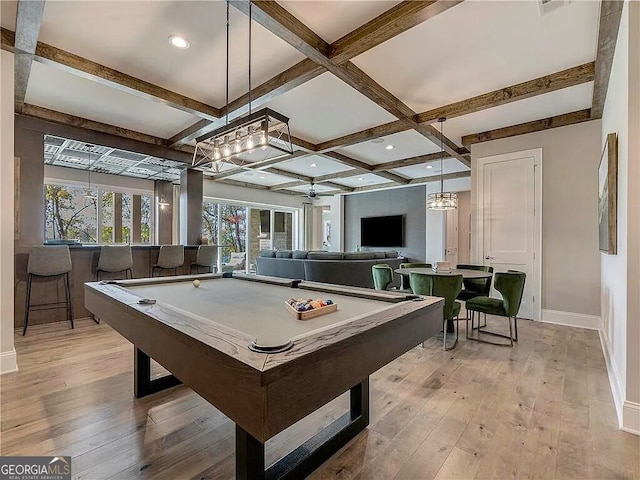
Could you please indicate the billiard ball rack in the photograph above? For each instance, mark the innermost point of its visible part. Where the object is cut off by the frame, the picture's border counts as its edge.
(313, 313)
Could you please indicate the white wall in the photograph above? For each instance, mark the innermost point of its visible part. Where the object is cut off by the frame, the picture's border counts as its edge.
(436, 228)
(620, 283)
(614, 267)
(570, 257)
(7, 351)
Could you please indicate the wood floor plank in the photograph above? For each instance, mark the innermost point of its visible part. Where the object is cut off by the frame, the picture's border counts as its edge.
(540, 410)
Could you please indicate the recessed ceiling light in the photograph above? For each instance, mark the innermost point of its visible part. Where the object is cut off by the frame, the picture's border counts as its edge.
(313, 165)
(361, 179)
(179, 42)
(377, 140)
(429, 166)
(389, 147)
(262, 176)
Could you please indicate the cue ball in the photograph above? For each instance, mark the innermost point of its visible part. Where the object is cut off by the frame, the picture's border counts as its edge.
(196, 283)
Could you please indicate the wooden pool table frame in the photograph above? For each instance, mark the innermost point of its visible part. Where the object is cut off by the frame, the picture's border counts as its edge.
(266, 393)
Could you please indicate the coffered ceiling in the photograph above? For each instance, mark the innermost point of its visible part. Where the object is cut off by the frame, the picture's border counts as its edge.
(355, 77)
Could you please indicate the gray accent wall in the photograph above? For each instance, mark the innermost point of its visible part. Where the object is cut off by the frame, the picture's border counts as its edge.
(408, 201)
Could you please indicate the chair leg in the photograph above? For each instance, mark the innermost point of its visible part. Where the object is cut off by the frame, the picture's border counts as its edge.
(26, 307)
(515, 326)
(444, 334)
(69, 298)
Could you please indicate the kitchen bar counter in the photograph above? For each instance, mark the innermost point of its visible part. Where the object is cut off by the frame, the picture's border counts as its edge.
(85, 261)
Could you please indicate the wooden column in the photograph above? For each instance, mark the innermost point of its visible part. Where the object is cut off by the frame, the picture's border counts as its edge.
(136, 219)
(164, 214)
(29, 147)
(117, 217)
(191, 207)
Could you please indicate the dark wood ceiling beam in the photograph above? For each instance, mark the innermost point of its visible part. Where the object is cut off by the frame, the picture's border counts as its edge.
(288, 80)
(282, 186)
(610, 15)
(385, 26)
(391, 23)
(436, 178)
(337, 175)
(529, 127)
(85, 130)
(363, 135)
(415, 181)
(258, 165)
(548, 83)
(76, 65)
(408, 162)
(288, 174)
(28, 21)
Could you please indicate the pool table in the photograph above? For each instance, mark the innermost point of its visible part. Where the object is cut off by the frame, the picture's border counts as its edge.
(232, 341)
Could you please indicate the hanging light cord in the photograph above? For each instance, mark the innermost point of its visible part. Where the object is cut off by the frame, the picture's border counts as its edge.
(250, 58)
(226, 108)
(441, 120)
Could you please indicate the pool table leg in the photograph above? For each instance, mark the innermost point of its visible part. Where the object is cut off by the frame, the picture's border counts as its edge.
(143, 385)
(250, 458)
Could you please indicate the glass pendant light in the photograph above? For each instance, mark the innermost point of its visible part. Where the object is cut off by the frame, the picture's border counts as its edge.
(442, 200)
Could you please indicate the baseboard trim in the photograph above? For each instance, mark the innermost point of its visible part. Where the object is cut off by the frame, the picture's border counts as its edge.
(8, 362)
(631, 417)
(615, 380)
(570, 319)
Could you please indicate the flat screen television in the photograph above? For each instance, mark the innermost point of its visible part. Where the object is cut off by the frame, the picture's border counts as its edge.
(382, 231)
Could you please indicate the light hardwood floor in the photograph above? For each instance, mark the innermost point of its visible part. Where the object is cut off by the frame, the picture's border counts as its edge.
(540, 410)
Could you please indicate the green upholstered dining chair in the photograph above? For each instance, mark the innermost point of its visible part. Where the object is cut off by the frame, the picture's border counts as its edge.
(415, 265)
(421, 284)
(475, 287)
(403, 278)
(382, 276)
(448, 287)
(511, 285)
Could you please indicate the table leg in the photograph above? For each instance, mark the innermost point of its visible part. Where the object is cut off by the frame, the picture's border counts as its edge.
(250, 458)
(143, 385)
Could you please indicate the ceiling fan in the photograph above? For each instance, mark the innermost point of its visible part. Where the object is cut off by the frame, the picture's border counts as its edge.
(312, 192)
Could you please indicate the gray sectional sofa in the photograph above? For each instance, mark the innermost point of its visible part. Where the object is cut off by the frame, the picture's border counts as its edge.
(349, 268)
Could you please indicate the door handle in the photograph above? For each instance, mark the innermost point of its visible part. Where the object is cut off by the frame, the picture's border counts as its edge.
(488, 258)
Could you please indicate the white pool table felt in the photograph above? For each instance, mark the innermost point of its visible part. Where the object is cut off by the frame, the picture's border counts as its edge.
(255, 309)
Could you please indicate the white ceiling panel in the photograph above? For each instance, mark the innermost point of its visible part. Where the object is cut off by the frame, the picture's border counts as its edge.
(325, 108)
(405, 145)
(61, 91)
(8, 14)
(480, 46)
(132, 37)
(260, 178)
(450, 165)
(361, 180)
(334, 19)
(542, 106)
(304, 166)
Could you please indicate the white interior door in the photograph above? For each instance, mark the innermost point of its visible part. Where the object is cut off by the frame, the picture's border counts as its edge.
(451, 246)
(509, 204)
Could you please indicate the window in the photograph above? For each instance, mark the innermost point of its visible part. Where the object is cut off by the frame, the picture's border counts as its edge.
(70, 213)
(100, 216)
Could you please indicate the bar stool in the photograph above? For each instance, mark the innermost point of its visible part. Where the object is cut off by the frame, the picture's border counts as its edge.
(170, 258)
(115, 259)
(207, 255)
(49, 262)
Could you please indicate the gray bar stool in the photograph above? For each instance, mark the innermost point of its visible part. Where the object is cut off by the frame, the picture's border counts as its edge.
(170, 258)
(115, 259)
(49, 262)
(206, 257)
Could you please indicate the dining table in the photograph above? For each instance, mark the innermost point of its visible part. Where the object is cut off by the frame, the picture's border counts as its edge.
(466, 274)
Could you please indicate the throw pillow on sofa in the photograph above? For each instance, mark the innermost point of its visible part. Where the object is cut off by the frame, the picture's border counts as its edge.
(391, 254)
(300, 254)
(284, 253)
(267, 253)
